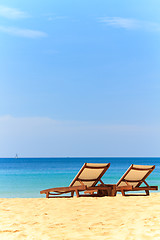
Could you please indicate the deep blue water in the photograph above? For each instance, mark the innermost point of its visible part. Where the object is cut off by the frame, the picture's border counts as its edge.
(25, 177)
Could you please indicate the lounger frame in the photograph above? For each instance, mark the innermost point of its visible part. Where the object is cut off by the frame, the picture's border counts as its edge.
(129, 187)
(82, 187)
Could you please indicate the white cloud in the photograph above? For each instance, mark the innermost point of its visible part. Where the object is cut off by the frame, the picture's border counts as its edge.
(40, 136)
(51, 52)
(12, 13)
(129, 23)
(119, 22)
(53, 17)
(22, 32)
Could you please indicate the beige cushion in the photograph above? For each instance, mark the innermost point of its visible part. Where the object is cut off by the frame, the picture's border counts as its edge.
(89, 173)
(135, 175)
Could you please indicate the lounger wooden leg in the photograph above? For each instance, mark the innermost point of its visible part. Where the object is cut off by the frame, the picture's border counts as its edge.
(114, 192)
(77, 193)
(123, 192)
(72, 193)
(47, 195)
(147, 192)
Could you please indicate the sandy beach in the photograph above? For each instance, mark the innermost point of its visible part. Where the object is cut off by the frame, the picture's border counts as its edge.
(81, 218)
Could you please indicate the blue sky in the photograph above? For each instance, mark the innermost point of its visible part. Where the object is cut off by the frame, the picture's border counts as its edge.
(79, 78)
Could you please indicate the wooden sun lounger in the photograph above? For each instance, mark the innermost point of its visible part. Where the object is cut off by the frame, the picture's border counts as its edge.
(85, 181)
(133, 178)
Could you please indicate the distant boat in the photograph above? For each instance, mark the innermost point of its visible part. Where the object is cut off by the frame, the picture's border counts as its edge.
(16, 156)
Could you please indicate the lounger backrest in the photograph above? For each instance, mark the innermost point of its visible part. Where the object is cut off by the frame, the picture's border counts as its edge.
(135, 175)
(90, 174)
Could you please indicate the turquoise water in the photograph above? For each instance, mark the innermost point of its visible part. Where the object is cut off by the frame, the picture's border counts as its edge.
(26, 177)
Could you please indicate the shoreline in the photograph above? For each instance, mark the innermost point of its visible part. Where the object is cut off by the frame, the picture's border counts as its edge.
(103, 218)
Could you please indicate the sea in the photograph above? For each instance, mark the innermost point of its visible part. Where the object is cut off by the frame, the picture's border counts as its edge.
(26, 177)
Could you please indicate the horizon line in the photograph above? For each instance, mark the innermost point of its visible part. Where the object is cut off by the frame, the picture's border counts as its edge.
(89, 157)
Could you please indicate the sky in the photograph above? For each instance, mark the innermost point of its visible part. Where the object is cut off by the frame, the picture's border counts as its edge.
(79, 78)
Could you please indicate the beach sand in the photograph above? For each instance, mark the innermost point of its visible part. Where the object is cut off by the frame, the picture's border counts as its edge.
(117, 217)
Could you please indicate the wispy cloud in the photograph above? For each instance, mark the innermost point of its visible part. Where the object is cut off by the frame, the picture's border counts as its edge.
(130, 24)
(51, 52)
(53, 17)
(42, 136)
(12, 13)
(119, 22)
(22, 32)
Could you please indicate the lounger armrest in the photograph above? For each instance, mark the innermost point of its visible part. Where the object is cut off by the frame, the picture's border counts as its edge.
(131, 188)
(154, 188)
(125, 188)
(61, 189)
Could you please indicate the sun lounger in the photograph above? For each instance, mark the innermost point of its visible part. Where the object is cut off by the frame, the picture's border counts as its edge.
(133, 178)
(85, 181)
